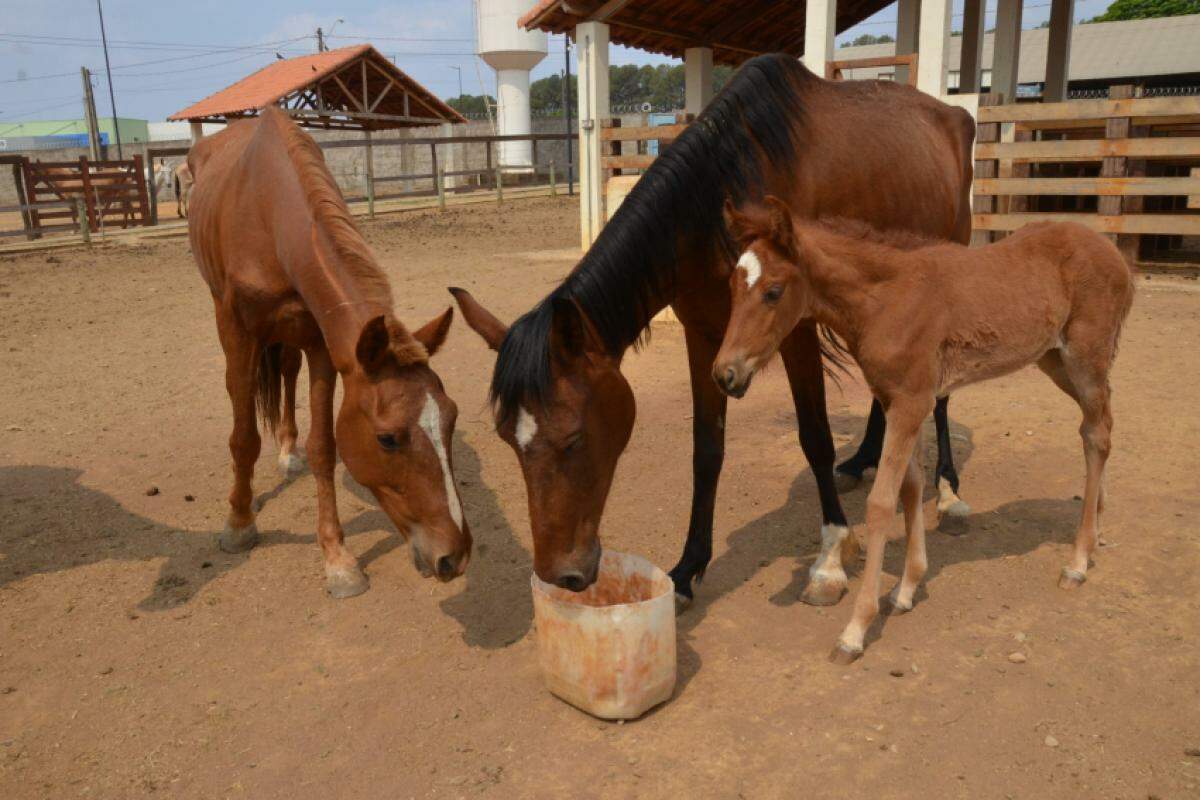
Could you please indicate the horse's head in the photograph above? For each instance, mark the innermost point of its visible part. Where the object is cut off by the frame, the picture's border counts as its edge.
(395, 430)
(768, 291)
(567, 440)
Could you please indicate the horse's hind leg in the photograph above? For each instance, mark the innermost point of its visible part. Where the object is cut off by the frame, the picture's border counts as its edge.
(291, 461)
(945, 477)
(343, 576)
(915, 560)
(241, 372)
(849, 473)
(801, 355)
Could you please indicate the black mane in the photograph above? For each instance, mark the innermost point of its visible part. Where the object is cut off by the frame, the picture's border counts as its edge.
(629, 274)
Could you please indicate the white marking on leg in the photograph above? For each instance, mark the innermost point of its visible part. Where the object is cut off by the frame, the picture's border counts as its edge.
(431, 422)
(750, 264)
(526, 428)
(950, 503)
(828, 566)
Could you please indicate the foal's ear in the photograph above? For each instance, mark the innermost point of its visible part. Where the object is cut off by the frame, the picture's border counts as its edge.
(433, 333)
(479, 319)
(373, 343)
(572, 333)
(740, 225)
(779, 221)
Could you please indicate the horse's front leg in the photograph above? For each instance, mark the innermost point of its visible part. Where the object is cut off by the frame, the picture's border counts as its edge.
(850, 472)
(343, 576)
(708, 454)
(945, 477)
(801, 353)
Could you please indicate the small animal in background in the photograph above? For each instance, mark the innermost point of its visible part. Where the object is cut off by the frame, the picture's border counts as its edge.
(924, 318)
(183, 188)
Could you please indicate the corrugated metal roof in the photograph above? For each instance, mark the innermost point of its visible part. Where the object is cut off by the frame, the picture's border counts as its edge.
(1099, 50)
(281, 78)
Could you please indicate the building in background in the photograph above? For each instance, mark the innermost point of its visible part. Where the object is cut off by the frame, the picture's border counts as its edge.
(56, 134)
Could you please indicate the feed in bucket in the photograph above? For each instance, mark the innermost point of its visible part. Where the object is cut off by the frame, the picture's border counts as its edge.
(609, 650)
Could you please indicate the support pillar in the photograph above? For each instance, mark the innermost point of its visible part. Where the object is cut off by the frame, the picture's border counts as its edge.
(908, 23)
(591, 43)
(197, 131)
(698, 78)
(820, 25)
(1006, 50)
(970, 65)
(932, 48)
(1058, 51)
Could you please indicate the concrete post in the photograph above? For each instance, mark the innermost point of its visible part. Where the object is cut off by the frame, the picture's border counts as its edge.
(698, 78)
(1006, 49)
(970, 68)
(197, 131)
(820, 25)
(908, 23)
(591, 44)
(932, 46)
(1058, 51)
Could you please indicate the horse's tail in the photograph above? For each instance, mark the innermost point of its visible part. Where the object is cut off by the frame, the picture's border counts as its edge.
(269, 395)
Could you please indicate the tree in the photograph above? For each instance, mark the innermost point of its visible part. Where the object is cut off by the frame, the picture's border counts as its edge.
(868, 38)
(1147, 9)
(470, 104)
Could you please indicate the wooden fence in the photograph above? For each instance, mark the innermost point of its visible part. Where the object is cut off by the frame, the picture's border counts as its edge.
(1123, 165)
(833, 69)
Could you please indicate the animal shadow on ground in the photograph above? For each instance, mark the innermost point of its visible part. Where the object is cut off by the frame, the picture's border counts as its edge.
(792, 531)
(49, 522)
(495, 609)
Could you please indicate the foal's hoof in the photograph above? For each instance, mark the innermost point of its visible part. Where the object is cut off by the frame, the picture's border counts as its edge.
(846, 482)
(238, 540)
(291, 464)
(346, 582)
(1071, 579)
(895, 608)
(823, 592)
(843, 655)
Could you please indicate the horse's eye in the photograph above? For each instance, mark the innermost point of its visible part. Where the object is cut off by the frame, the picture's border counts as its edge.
(389, 441)
(773, 293)
(572, 443)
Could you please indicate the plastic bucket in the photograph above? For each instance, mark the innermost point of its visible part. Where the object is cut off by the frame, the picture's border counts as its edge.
(609, 650)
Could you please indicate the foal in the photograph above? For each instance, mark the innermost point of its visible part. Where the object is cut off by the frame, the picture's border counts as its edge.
(923, 319)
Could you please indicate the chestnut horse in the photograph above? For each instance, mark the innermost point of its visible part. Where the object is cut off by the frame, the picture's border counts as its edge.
(290, 273)
(923, 319)
(871, 150)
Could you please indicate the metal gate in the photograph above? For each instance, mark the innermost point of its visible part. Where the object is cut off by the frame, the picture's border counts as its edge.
(113, 194)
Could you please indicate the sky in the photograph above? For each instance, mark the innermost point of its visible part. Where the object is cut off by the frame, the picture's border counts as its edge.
(166, 55)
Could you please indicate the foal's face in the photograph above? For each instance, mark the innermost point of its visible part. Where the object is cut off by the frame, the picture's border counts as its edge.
(567, 445)
(395, 432)
(768, 300)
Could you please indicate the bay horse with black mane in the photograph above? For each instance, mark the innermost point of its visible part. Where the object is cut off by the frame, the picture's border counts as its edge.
(868, 150)
(291, 274)
(923, 318)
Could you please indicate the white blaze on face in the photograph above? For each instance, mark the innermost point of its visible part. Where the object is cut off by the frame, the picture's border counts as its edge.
(526, 428)
(431, 422)
(751, 266)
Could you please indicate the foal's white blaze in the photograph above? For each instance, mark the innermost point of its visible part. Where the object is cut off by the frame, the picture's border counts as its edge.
(750, 264)
(526, 428)
(431, 422)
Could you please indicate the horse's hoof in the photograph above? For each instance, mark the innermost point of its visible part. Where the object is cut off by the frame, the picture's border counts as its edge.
(348, 582)
(1071, 579)
(895, 608)
(682, 603)
(958, 508)
(844, 656)
(845, 482)
(238, 540)
(290, 464)
(823, 592)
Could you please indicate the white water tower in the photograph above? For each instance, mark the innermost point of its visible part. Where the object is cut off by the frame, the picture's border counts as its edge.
(512, 51)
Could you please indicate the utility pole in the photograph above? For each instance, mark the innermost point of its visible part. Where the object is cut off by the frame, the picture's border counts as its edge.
(108, 69)
(567, 111)
(320, 41)
(89, 114)
(459, 71)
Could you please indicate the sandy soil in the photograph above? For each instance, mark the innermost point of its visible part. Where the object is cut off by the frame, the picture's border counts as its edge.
(137, 660)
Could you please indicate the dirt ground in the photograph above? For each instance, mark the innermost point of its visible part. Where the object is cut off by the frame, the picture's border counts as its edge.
(137, 660)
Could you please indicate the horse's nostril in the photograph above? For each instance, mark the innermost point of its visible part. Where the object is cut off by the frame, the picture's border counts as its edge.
(446, 566)
(572, 582)
(730, 377)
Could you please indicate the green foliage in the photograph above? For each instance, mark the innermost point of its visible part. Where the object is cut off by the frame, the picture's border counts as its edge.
(1147, 9)
(868, 38)
(470, 104)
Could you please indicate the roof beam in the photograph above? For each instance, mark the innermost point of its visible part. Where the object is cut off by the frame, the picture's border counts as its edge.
(604, 12)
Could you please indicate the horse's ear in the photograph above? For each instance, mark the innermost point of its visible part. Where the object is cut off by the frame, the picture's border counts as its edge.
(479, 319)
(779, 221)
(739, 225)
(572, 333)
(433, 333)
(373, 343)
